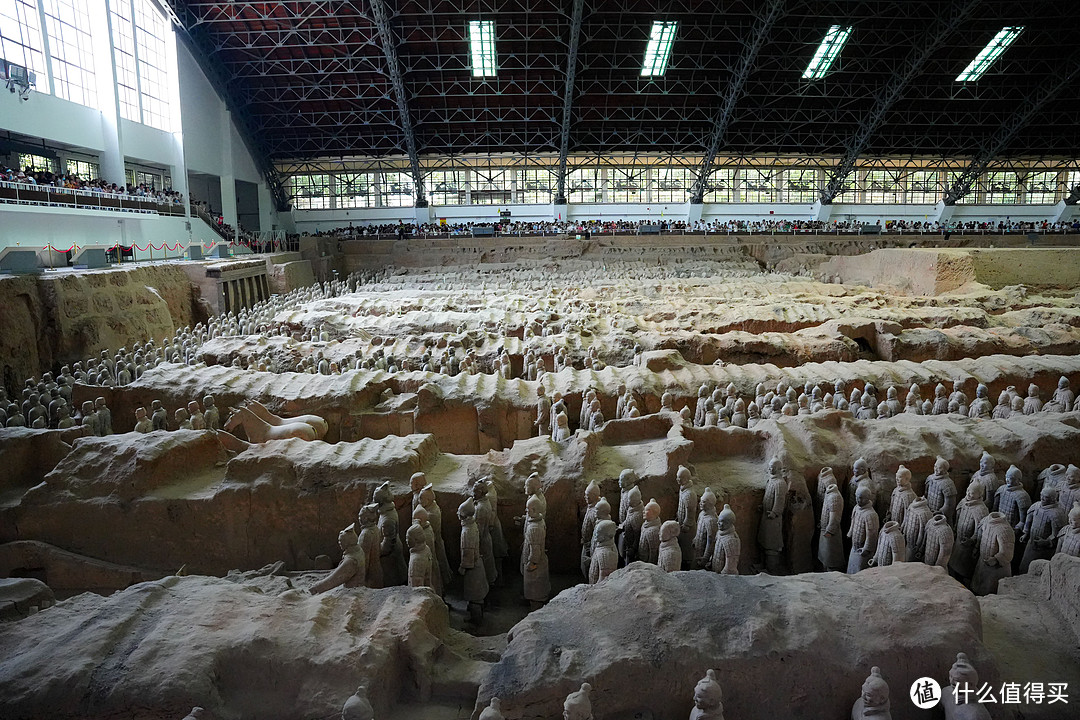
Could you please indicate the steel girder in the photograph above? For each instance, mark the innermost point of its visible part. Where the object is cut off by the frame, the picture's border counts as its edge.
(736, 86)
(893, 91)
(381, 18)
(1000, 140)
(1074, 196)
(259, 152)
(568, 100)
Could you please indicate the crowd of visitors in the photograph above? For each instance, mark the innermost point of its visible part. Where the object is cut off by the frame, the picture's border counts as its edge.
(596, 227)
(74, 182)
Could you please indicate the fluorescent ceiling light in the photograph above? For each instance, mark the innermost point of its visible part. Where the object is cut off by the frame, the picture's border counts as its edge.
(827, 52)
(993, 50)
(482, 47)
(658, 51)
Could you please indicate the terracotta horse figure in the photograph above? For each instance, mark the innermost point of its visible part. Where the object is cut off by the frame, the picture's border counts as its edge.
(258, 430)
(320, 425)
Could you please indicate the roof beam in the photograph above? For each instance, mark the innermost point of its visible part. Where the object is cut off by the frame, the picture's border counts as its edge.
(381, 19)
(1000, 140)
(892, 92)
(259, 152)
(568, 100)
(735, 89)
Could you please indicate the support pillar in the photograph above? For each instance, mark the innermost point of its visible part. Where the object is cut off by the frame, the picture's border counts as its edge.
(820, 211)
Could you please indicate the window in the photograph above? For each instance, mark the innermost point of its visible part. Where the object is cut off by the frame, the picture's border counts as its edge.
(883, 186)
(482, 47)
(584, 186)
(310, 192)
(123, 37)
(658, 51)
(1042, 188)
(82, 169)
(799, 185)
(924, 187)
(535, 186)
(396, 190)
(1000, 188)
(827, 53)
(20, 37)
(720, 187)
(447, 187)
(626, 185)
(670, 184)
(989, 54)
(972, 195)
(67, 23)
(759, 185)
(35, 163)
(355, 190)
(491, 186)
(149, 179)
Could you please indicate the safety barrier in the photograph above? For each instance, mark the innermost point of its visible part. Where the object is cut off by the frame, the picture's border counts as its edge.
(52, 196)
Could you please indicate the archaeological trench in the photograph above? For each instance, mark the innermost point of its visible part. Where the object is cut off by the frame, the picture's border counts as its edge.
(544, 478)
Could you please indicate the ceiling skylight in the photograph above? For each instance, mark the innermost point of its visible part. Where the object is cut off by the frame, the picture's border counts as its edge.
(482, 47)
(986, 57)
(827, 53)
(658, 51)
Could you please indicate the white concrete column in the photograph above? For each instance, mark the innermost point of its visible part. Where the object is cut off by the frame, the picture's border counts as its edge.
(942, 212)
(112, 157)
(228, 176)
(266, 207)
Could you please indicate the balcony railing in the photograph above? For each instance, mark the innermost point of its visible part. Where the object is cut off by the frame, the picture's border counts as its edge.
(14, 193)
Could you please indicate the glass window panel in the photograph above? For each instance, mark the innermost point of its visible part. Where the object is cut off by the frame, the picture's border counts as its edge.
(396, 190)
(151, 33)
(1042, 188)
(720, 187)
(1000, 188)
(883, 186)
(123, 37)
(310, 192)
(20, 37)
(82, 169)
(35, 163)
(799, 185)
(759, 185)
(584, 186)
(670, 184)
(971, 197)
(67, 23)
(924, 187)
(491, 186)
(627, 185)
(535, 186)
(446, 187)
(356, 190)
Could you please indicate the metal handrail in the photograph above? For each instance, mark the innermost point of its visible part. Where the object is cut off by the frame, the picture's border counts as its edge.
(54, 196)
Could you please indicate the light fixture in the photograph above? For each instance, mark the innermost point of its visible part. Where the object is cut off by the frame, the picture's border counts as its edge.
(993, 50)
(658, 51)
(827, 53)
(482, 47)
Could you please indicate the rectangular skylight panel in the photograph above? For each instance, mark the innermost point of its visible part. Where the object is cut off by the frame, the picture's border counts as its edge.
(482, 47)
(827, 53)
(658, 51)
(989, 54)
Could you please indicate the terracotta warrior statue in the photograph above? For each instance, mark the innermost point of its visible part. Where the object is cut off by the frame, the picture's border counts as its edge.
(830, 540)
(577, 705)
(588, 525)
(863, 532)
(916, 519)
(891, 547)
(605, 556)
(770, 530)
(391, 554)
(630, 529)
(799, 522)
(969, 514)
(1069, 539)
(960, 698)
(143, 424)
(534, 559)
(873, 703)
(371, 544)
(937, 550)
(727, 546)
(902, 496)
(493, 711)
(1043, 523)
(420, 556)
(627, 480)
(707, 525)
(686, 515)
(997, 542)
(670, 557)
(708, 699)
(649, 540)
(941, 491)
(350, 572)
(210, 414)
(471, 566)
(987, 477)
(422, 520)
(485, 518)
